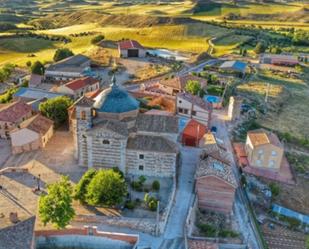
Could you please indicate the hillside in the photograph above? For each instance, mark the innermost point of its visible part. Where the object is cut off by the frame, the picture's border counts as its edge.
(68, 19)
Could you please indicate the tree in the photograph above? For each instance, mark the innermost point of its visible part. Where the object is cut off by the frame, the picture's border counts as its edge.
(307, 242)
(62, 53)
(81, 187)
(193, 87)
(260, 48)
(97, 39)
(37, 68)
(107, 187)
(156, 185)
(56, 109)
(28, 63)
(56, 206)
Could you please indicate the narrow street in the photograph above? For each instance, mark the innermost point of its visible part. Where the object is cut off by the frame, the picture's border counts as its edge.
(241, 210)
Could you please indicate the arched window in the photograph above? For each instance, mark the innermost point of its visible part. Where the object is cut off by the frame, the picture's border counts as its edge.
(105, 141)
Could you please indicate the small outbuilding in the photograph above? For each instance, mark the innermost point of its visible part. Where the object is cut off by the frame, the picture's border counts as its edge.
(131, 48)
(234, 67)
(32, 134)
(193, 133)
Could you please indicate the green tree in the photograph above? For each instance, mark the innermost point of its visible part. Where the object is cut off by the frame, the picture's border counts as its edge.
(156, 185)
(6, 71)
(56, 206)
(56, 109)
(260, 48)
(193, 87)
(107, 187)
(81, 187)
(97, 39)
(28, 63)
(274, 188)
(37, 68)
(62, 53)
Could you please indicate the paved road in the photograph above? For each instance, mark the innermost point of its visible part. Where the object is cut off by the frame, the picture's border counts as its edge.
(241, 210)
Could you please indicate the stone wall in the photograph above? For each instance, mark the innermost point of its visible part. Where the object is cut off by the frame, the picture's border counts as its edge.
(154, 164)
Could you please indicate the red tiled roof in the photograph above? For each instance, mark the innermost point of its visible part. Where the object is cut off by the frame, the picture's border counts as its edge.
(37, 123)
(195, 129)
(93, 94)
(129, 44)
(201, 244)
(14, 111)
(80, 83)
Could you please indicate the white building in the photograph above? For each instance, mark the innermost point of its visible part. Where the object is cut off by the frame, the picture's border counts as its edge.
(69, 68)
(131, 48)
(190, 106)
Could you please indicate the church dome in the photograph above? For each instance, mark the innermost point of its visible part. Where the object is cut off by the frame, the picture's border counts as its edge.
(115, 100)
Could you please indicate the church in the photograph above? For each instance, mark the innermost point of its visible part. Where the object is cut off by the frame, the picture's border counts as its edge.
(110, 131)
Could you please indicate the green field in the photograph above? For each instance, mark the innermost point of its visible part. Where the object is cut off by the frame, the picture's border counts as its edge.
(187, 38)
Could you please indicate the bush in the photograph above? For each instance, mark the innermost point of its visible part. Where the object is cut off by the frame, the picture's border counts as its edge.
(156, 185)
(97, 39)
(137, 186)
(274, 188)
(151, 202)
(7, 97)
(228, 234)
(62, 53)
(129, 205)
(207, 229)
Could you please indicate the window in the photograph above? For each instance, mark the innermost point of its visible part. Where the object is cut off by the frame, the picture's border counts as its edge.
(180, 110)
(105, 141)
(271, 164)
(185, 111)
(141, 167)
(141, 156)
(274, 153)
(258, 162)
(83, 115)
(193, 113)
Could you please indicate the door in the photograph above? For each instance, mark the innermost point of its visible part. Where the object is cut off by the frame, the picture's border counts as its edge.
(133, 53)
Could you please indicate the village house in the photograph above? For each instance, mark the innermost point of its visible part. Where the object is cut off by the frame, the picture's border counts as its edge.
(70, 68)
(191, 106)
(177, 84)
(35, 80)
(78, 87)
(131, 48)
(31, 134)
(215, 182)
(110, 132)
(279, 59)
(264, 149)
(11, 115)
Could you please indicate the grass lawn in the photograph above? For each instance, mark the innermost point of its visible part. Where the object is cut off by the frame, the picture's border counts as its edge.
(288, 103)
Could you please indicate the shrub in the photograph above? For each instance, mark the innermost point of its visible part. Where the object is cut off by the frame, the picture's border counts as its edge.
(37, 68)
(274, 188)
(62, 53)
(228, 234)
(129, 205)
(151, 202)
(136, 185)
(97, 39)
(156, 185)
(207, 229)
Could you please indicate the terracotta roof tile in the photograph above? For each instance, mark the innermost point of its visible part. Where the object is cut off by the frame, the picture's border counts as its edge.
(37, 123)
(14, 111)
(129, 44)
(80, 83)
(201, 244)
(261, 137)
